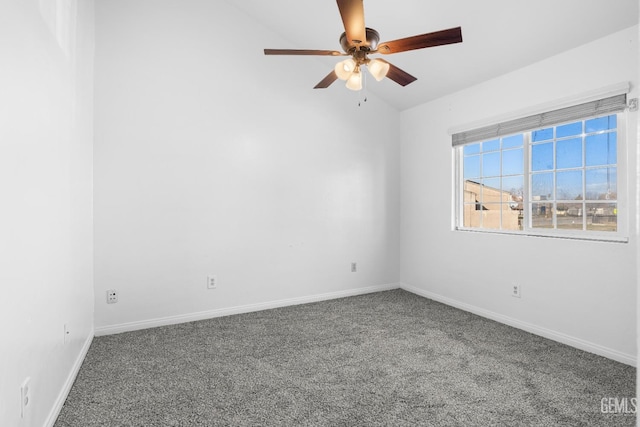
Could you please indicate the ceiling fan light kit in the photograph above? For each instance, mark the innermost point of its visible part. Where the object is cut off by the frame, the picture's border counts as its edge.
(378, 69)
(345, 68)
(354, 82)
(359, 42)
(350, 71)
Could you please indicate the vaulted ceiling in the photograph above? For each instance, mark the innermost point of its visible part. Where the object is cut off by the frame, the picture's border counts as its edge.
(499, 36)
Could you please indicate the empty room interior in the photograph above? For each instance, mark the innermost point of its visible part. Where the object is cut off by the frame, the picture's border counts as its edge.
(194, 234)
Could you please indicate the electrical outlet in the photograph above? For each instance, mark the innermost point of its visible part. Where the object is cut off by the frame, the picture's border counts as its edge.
(112, 296)
(354, 267)
(212, 281)
(515, 291)
(65, 338)
(25, 396)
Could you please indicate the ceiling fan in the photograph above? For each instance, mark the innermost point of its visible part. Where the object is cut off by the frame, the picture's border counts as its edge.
(359, 42)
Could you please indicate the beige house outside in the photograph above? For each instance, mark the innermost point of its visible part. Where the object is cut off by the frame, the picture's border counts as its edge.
(492, 208)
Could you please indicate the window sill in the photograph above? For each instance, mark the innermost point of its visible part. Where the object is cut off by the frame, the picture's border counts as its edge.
(594, 237)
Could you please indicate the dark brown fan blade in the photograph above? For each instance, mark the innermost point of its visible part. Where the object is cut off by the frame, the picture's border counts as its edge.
(302, 52)
(438, 38)
(352, 13)
(397, 75)
(326, 82)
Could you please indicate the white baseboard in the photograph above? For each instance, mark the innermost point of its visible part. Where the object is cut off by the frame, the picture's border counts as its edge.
(529, 327)
(64, 392)
(202, 315)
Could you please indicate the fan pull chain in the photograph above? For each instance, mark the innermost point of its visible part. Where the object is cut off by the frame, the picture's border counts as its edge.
(364, 91)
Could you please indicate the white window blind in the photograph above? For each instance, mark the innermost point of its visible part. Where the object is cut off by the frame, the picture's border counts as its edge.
(609, 105)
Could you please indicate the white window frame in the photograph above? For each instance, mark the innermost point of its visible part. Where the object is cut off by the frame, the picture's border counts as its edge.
(620, 235)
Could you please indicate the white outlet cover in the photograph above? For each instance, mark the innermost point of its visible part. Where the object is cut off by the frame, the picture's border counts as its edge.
(25, 396)
(112, 296)
(212, 281)
(516, 291)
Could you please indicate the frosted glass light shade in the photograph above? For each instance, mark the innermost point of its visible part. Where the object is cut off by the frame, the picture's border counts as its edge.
(345, 68)
(378, 69)
(355, 81)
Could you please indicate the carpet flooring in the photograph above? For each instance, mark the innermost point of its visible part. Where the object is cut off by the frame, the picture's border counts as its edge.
(385, 359)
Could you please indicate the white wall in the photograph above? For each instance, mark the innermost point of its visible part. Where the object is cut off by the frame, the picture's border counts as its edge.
(581, 292)
(212, 158)
(46, 215)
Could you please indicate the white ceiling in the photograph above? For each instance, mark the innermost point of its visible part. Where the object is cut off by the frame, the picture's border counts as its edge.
(499, 36)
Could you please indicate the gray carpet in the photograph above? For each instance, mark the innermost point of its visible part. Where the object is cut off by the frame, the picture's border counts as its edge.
(385, 359)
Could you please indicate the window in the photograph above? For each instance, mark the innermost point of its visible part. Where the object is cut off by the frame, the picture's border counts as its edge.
(553, 174)
(493, 183)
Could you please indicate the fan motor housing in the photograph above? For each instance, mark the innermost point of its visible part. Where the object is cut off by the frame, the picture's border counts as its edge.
(373, 37)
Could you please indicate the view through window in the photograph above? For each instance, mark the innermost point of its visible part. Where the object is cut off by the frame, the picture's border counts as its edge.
(562, 177)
